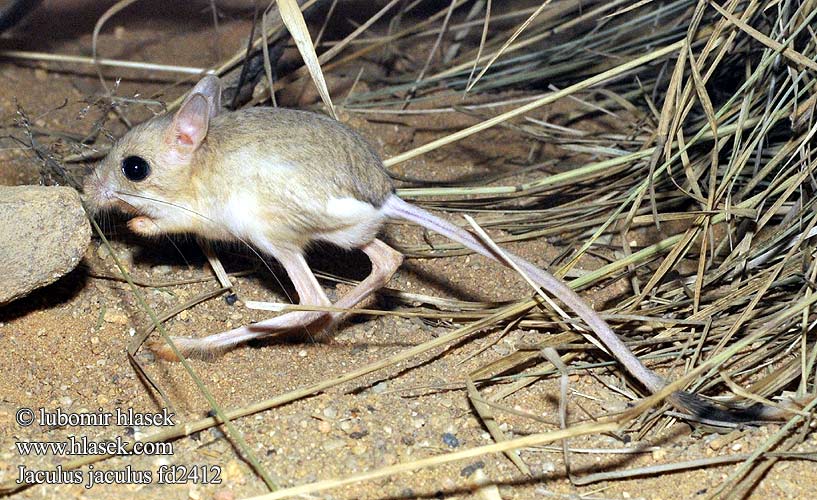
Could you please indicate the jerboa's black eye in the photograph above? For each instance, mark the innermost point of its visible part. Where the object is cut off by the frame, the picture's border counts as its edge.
(135, 168)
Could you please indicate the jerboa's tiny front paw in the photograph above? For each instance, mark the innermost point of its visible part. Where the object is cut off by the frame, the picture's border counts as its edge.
(144, 226)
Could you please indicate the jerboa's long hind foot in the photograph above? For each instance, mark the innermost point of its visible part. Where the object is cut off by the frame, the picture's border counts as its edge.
(187, 347)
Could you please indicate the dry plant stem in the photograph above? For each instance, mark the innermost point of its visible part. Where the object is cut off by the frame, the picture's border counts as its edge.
(215, 264)
(336, 49)
(618, 70)
(481, 42)
(283, 307)
(164, 284)
(573, 21)
(389, 39)
(265, 53)
(761, 292)
(502, 49)
(551, 355)
(113, 63)
(486, 416)
(294, 21)
(533, 377)
(112, 11)
(461, 32)
(431, 53)
(788, 52)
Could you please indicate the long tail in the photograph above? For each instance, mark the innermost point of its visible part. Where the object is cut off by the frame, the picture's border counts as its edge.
(394, 207)
(397, 208)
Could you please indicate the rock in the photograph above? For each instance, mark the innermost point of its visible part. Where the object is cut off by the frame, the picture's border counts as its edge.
(451, 440)
(115, 317)
(44, 233)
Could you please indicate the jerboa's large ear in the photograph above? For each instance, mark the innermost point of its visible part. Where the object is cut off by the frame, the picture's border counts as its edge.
(189, 126)
(210, 88)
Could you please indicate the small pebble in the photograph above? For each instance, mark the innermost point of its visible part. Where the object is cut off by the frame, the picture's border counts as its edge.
(359, 434)
(330, 412)
(115, 317)
(720, 441)
(471, 468)
(450, 440)
(547, 467)
(102, 252)
(162, 270)
(501, 349)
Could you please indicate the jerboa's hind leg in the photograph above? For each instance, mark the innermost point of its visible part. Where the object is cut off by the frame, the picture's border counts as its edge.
(385, 262)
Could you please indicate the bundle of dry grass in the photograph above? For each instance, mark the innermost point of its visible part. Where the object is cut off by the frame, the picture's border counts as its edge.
(720, 161)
